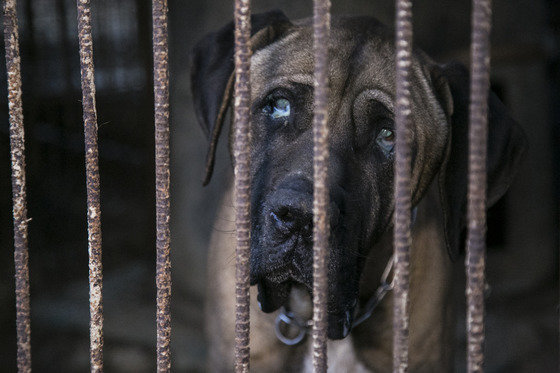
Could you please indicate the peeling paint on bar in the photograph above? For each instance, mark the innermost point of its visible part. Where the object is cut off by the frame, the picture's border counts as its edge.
(403, 195)
(17, 146)
(476, 210)
(321, 33)
(242, 102)
(92, 184)
(161, 107)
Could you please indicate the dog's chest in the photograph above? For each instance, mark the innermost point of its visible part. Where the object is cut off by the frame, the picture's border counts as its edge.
(341, 358)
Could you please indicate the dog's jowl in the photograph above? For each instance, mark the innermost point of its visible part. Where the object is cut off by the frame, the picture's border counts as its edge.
(361, 168)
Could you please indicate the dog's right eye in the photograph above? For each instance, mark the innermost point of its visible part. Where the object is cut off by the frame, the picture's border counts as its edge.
(278, 108)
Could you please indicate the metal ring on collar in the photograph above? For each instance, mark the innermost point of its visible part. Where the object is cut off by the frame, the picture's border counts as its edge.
(283, 318)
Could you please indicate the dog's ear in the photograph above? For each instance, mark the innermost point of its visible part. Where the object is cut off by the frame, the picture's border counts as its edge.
(506, 146)
(212, 75)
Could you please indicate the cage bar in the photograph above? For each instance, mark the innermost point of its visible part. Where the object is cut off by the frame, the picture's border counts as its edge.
(476, 210)
(161, 117)
(17, 146)
(321, 32)
(92, 185)
(403, 194)
(242, 102)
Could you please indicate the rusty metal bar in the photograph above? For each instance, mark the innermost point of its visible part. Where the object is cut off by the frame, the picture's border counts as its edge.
(17, 146)
(242, 102)
(476, 210)
(92, 181)
(161, 107)
(403, 194)
(321, 33)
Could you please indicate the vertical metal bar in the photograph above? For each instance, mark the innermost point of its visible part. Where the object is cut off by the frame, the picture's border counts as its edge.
(321, 33)
(17, 145)
(92, 181)
(402, 238)
(242, 102)
(163, 265)
(476, 210)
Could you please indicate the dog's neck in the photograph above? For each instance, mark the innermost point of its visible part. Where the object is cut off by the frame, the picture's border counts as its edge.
(431, 339)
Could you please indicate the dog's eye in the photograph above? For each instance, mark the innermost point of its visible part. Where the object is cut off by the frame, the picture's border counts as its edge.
(386, 139)
(278, 108)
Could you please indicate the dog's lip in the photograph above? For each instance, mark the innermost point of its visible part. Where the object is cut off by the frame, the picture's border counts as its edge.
(340, 323)
(280, 271)
(275, 285)
(273, 274)
(272, 296)
(278, 275)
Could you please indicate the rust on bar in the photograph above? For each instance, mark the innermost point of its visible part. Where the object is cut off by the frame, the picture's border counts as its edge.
(403, 195)
(321, 34)
(476, 210)
(242, 102)
(92, 184)
(161, 108)
(17, 146)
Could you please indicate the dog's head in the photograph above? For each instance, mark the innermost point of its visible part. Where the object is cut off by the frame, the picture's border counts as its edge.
(362, 137)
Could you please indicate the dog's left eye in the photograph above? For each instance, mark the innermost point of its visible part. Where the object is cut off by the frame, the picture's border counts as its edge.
(278, 108)
(386, 140)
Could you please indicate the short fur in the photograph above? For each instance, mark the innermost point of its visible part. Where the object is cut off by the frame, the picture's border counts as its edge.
(361, 103)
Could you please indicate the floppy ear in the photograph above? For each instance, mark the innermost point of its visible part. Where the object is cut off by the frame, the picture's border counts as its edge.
(506, 146)
(212, 73)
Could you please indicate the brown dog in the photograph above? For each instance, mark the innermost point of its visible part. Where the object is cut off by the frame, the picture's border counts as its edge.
(361, 114)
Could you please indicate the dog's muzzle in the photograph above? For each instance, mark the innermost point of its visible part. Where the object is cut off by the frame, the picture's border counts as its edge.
(282, 252)
(284, 240)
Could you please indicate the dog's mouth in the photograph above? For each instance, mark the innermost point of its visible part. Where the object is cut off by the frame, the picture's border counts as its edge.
(276, 288)
(275, 285)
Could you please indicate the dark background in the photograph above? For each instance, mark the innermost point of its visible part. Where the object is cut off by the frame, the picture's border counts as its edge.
(523, 228)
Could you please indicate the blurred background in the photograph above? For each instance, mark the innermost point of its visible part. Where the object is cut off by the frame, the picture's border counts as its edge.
(523, 227)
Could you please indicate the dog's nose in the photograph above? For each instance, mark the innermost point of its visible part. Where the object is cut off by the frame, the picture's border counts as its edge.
(291, 220)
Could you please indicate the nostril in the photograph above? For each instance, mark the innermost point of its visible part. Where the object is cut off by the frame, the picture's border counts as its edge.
(275, 218)
(289, 220)
(286, 214)
(282, 221)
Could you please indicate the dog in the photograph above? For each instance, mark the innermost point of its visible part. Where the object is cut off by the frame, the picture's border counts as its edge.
(361, 113)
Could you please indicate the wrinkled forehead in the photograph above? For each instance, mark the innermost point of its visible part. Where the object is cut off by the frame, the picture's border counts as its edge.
(360, 60)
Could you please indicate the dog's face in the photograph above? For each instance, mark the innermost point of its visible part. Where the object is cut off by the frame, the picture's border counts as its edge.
(361, 124)
(361, 142)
